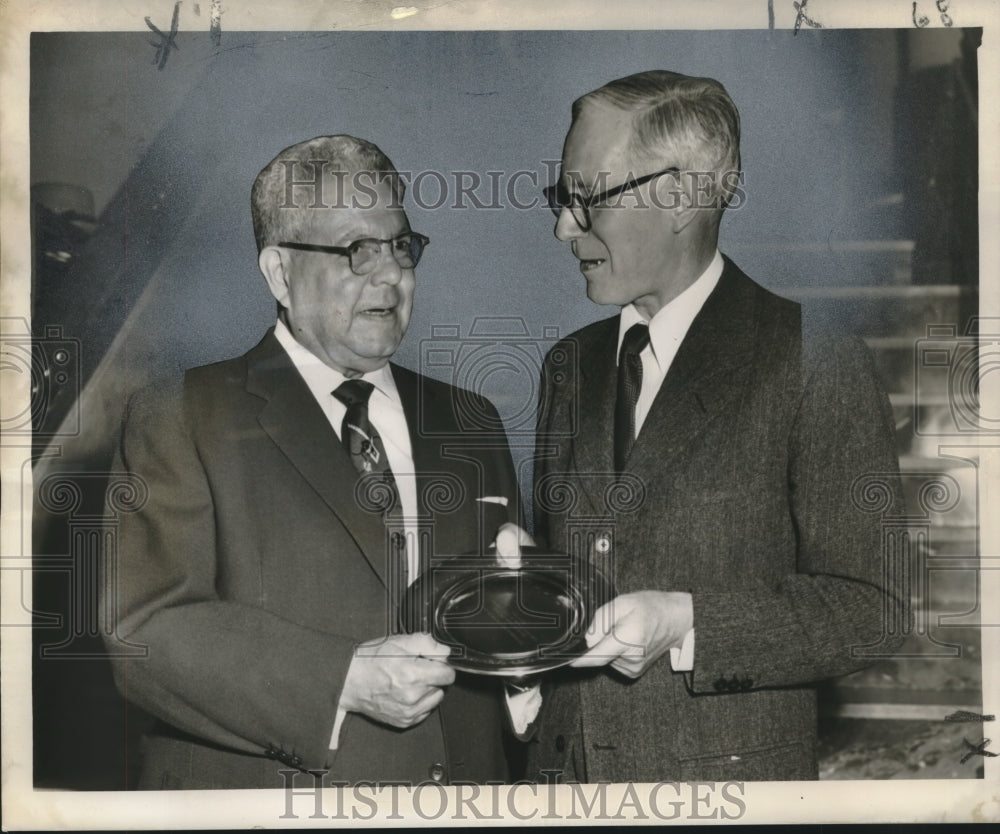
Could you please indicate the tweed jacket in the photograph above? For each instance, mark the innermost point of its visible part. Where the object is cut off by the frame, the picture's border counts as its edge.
(254, 569)
(746, 488)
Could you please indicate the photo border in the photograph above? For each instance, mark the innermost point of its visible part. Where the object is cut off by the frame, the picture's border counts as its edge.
(27, 808)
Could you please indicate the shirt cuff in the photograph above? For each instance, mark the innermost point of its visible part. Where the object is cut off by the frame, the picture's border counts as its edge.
(523, 706)
(335, 735)
(682, 659)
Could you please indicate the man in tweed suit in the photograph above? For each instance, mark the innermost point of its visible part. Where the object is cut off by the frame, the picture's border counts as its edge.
(714, 451)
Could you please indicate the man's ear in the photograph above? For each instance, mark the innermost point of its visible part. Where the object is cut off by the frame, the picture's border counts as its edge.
(274, 269)
(684, 214)
(690, 198)
(675, 195)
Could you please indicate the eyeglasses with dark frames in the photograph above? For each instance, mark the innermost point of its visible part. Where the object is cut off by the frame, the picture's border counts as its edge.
(559, 197)
(365, 253)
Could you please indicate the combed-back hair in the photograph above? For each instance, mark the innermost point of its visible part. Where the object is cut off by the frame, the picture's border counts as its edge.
(273, 219)
(676, 119)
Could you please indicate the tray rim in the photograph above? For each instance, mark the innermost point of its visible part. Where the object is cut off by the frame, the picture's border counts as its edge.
(597, 589)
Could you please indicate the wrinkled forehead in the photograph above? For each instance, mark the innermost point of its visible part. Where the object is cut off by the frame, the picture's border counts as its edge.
(347, 205)
(597, 146)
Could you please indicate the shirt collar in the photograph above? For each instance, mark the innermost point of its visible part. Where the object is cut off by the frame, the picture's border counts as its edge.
(320, 377)
(672, 321)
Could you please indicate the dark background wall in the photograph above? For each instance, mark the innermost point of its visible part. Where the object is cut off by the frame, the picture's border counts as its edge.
(170, 155)
(162, 274)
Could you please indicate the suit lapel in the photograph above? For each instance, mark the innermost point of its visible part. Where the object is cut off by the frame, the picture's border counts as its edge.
(593, 444)
(433, 429)
(705, 376)
(292, 418)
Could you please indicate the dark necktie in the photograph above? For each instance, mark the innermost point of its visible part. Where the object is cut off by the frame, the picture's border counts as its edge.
(367, 452)
(629, 386)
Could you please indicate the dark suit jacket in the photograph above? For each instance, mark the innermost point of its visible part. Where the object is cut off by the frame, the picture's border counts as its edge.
(251, 573)
(743, 490)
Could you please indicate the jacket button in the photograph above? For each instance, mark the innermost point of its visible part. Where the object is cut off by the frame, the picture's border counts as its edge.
(602, 544)
(560, 744)
(436, 771)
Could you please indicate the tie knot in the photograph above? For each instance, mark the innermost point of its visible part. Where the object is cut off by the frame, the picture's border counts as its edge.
(354, 392)
(635, 341)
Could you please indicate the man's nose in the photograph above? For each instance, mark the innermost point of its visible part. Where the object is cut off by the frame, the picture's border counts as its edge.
(567, 228)
(388, 270)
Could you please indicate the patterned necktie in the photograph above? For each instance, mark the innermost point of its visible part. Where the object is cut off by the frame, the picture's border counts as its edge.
(367, 452)
(629, 386)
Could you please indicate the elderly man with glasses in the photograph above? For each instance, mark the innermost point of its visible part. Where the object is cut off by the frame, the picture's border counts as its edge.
(719, 456)
(293, 494)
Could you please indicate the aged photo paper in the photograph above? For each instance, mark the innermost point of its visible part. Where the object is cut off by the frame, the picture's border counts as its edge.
(130, 136)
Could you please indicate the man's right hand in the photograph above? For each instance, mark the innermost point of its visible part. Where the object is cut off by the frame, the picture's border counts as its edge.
(509, 541)
(397, 680)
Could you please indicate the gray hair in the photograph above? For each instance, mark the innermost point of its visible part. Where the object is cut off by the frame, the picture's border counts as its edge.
(678, 119)
(272, 222)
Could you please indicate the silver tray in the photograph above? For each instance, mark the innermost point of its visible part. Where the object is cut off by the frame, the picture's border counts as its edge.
(508, 621)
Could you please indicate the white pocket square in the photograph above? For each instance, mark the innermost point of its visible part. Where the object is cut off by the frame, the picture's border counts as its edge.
(494, 499)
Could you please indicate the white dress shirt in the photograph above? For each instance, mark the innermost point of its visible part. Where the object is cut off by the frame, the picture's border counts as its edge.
(385, 411)
(667, 330)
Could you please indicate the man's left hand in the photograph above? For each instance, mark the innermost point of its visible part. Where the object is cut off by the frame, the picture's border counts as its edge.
(633, 631)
